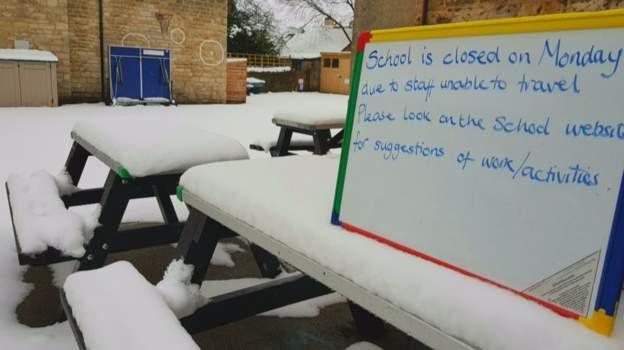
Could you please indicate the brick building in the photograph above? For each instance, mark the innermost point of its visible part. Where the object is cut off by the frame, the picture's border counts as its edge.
(377, 14)
(195, 34)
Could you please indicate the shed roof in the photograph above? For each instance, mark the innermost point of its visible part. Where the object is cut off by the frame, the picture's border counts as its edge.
(27, 55)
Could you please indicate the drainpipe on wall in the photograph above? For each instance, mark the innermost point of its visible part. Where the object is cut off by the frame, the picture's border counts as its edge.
(425, 12)
(102, 83)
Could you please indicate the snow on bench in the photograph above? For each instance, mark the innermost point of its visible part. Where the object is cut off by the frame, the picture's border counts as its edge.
(287, 204)
(116, 308)
(40, 218)
(320, 111)
(142, 148)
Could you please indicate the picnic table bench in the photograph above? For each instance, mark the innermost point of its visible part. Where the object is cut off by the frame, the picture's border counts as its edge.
(318, 125)
(101, 300)
(212, 202)
(144, 161)
(294, 226)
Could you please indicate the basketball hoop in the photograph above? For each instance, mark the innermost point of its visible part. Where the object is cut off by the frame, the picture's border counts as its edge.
(164, 19)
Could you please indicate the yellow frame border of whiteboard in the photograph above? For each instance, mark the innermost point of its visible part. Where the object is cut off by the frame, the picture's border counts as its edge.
(598, 320)
(502, 26)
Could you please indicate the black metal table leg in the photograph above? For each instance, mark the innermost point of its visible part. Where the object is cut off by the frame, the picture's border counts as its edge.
(268, 263)
(198, 242)
(367, 324)
(336, 140)
(283, 142)
(76, 161)
(166, 206)
(114, 202)
(321, 141)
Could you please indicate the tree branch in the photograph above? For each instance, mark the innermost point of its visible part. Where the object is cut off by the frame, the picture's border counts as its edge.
(316, 6)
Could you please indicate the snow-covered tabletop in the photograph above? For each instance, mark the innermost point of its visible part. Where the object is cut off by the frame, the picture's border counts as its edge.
(162, 147)
(312, 116)
(27, 55)
(290, 200)
(117, 308)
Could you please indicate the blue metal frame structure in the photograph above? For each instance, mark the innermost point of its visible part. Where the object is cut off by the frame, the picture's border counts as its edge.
(139, 74)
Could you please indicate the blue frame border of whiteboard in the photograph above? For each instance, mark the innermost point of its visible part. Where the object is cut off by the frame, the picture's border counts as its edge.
(610, 289)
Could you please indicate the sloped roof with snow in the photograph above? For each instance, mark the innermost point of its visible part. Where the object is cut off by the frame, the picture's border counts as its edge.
(27, 55)
(312, 41)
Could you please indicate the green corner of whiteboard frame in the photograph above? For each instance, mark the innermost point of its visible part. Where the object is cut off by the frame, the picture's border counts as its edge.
(346, 141)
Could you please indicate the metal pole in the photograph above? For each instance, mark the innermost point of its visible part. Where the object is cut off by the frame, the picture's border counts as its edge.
(425, 12)
(101, 20)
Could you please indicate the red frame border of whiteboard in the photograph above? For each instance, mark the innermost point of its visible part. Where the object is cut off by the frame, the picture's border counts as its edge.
(561, 311)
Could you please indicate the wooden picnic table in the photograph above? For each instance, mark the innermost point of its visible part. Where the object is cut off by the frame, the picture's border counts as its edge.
(322, 139)
(210, 216)
(318, 124)
(129, 177)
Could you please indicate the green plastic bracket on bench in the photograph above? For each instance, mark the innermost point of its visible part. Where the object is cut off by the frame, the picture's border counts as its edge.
(124, 173)
(179, 190)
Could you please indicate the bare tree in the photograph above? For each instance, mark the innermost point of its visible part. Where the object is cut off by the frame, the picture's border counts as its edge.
(339, 11)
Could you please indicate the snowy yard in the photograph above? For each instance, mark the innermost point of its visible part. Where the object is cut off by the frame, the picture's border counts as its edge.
(38, 138)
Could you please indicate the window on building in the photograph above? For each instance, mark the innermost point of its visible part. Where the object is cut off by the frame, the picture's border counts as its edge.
(326, 63)
(335, 63)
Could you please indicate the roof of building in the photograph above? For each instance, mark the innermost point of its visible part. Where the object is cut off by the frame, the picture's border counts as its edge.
(27, 55)
(312, 41)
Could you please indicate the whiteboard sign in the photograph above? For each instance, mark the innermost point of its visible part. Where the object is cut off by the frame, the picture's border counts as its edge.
(499, 156)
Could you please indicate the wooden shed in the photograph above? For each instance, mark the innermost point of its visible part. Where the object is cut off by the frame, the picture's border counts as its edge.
(28, 78)
(335, 72)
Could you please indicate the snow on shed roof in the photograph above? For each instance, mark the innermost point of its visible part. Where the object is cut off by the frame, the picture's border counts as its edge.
(27, 55)
(313, 41)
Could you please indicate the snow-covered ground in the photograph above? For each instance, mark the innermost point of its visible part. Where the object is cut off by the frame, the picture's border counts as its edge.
(38, 138)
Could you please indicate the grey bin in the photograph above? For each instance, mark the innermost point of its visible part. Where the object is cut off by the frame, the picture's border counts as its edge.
(255, 86)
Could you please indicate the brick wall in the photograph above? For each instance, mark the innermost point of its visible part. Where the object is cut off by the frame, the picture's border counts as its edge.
(44, 24)
(70, 29)
(377, 14)
(236, 80)
(444, 11)
(84, 30)
(196, 37)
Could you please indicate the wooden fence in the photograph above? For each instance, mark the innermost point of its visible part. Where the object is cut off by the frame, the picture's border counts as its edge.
(259, 60)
